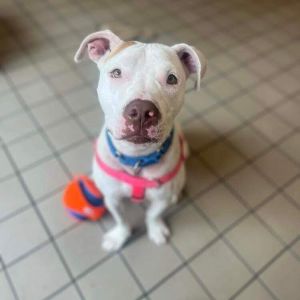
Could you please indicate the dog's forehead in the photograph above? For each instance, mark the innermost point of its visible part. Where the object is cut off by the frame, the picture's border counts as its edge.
(120, 48)
(133, 52)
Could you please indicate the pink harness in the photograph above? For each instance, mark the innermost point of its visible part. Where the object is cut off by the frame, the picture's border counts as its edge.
(139, 184)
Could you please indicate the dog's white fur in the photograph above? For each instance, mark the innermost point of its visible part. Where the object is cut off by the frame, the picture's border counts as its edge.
(145, 68)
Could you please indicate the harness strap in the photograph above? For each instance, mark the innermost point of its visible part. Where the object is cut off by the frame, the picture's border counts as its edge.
(139, 184)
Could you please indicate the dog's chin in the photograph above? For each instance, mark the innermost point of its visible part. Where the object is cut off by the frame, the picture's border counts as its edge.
(139, 139)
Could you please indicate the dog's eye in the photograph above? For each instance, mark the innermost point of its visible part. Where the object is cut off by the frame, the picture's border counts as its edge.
(116, 73)
(172, 79)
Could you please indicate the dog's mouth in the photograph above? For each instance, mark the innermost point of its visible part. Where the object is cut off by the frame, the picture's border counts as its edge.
(139, 139)
(141, 134)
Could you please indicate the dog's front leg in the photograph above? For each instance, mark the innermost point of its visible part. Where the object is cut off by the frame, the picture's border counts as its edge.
(117, 236)
(158, 231)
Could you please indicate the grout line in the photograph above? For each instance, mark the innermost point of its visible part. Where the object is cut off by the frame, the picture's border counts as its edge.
(53, 242)
(8, 278)
(272, 145)
(132, 273)
(255, 275)
(227, 243)
(81, 275)
(240, 65)
(43, 223)
(225, 106)
(200, 251)
(41, 245)
(58, 95)
(251, 161)
(125, 262)
(136, 236)
(200, 282)
(186, 262)
(250, 269)
(57, 292)
(264, 268)
(16, 212)
(19, 110)
(241, 41)
(49, 157)
(234, 224)
(41, 131)
(28, 253)
(163, 280)
(57, 98)
(96, 265)
(258, 218)
(252, 210)
(287, 67)
(145, 294)
(68, 108)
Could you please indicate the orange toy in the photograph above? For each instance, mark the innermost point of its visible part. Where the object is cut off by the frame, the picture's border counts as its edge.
(83, 200)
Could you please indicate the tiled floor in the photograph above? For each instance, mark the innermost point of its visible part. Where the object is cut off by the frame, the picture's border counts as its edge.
(235, 233)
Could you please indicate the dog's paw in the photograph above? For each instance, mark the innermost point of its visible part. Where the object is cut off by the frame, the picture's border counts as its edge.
(115, 238)
(158, 232)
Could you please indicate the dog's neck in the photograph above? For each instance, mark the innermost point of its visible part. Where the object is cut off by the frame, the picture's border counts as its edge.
(131, 149)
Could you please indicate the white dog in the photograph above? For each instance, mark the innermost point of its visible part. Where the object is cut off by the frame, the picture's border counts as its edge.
(140, 151)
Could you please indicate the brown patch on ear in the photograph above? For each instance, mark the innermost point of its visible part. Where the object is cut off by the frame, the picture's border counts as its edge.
(120, 48)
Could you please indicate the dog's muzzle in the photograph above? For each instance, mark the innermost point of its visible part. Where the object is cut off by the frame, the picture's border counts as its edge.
(141, 121)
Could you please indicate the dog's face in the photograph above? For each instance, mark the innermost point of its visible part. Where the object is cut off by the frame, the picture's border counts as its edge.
(141, 86)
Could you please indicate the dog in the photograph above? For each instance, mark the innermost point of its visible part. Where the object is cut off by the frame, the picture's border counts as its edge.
(140, 151)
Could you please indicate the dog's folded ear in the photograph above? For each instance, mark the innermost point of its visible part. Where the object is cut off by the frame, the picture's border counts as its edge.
(97, 44)
(193, 61)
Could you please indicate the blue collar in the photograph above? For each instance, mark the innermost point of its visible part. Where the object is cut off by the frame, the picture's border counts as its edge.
(140, 161)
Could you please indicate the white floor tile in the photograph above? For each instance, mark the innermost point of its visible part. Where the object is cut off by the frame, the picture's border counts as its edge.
(6, 167)
(254, 291)
(283, 277)
(256, 245)
(221, 272)
(45, 178)
(180, 286)
(38, 275)
(248, 102)
(30, 150)
(190, 231)
(5, 288)
(149, 262)
(13, 197)
(20, 234)
(221, 206)
(282, 217)
(111, 280)
(81, 247)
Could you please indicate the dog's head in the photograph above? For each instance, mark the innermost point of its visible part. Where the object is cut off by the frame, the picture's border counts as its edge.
(141, 86)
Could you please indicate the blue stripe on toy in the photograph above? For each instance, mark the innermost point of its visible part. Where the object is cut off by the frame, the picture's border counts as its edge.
(77, 216)
(92, 200)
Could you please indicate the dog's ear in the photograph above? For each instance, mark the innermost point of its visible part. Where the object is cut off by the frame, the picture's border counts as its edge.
(97, 44)
(193, 61)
